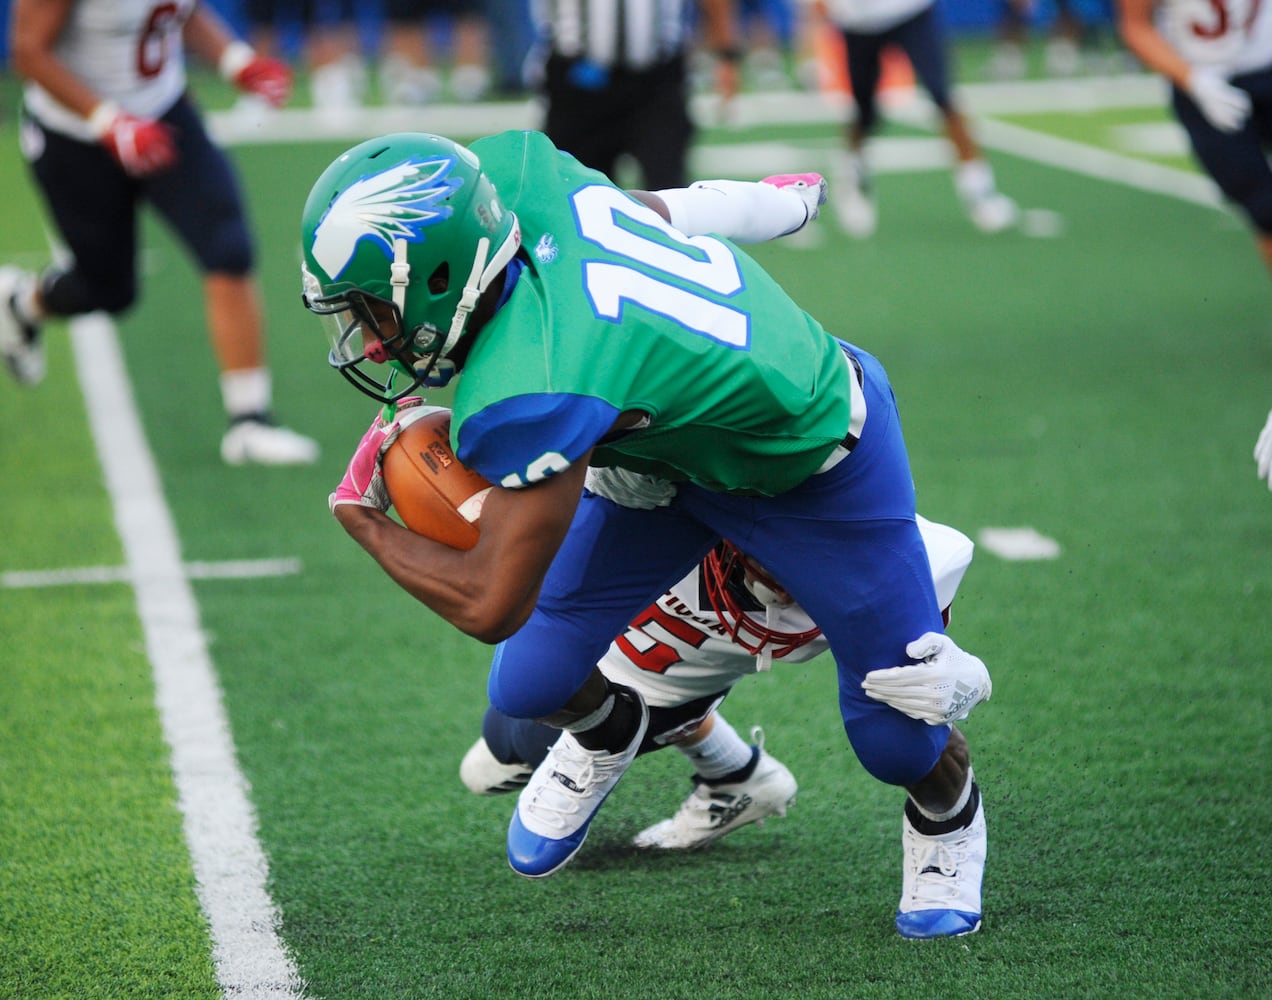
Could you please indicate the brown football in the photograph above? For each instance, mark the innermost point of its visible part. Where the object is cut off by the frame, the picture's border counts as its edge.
(433, 493)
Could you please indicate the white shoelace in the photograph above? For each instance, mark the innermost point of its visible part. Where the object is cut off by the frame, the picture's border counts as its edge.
(937, 864)
(556, 800)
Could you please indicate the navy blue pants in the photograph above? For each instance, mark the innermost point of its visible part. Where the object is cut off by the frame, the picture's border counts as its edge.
(1237, 161)
(95, 205)
(921, 39)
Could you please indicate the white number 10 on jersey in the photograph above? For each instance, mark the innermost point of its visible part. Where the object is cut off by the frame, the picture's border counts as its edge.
(704, 272)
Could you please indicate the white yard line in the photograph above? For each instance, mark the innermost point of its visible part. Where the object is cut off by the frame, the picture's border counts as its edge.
(230, 868)
(1080, 158)
(225, 570)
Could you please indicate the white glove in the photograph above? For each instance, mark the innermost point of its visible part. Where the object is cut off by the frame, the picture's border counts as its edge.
(1263, 452)
(1226, 107)
(630, 489)
(942, 689)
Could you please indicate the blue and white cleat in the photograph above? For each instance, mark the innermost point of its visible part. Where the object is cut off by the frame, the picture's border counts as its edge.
(941, 884)
(556, 807)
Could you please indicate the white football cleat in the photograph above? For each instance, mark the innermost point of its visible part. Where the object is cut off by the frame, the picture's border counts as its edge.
(556, 808)
(854, 200)
(993, 213)
(257, 440)
(810, 187)
(19, 339)
(941, 880)
(483, 774)
(711, 811)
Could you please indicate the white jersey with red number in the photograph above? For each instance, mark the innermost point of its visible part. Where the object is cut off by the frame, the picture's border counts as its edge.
(677, 650)
(872, 16)
(1230, 36)
(128, 51)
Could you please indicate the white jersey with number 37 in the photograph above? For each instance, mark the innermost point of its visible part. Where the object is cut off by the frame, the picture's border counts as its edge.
(1229, 36)
(128, 51)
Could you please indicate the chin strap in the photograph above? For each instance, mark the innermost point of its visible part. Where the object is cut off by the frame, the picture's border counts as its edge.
(479, 279)
(399, 275)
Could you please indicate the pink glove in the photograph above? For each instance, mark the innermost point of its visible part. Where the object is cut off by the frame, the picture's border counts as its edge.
(142, 146)
(256, 74)
(363, 482)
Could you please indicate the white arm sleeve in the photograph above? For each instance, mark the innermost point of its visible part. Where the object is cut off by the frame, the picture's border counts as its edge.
(742, 211)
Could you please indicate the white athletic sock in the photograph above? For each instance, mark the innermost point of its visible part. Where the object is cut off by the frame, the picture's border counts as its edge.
(742, 211)
(24, 301)
(974, 180)
(246, 391)
(722, 752)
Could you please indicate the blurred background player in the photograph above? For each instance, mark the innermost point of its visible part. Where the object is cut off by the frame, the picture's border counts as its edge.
(1218, 59)
(615, 78)
(422, 37)
(107, 125)
(323, 32)
(1063, 51)
(770, 37)
(868, 27)
(725, 620)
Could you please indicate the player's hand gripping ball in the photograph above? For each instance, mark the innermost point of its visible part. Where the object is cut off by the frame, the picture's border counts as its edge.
(433, 493)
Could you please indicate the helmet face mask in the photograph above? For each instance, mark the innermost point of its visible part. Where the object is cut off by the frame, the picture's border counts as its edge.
(390, 232)
(738, 590)
(364, 328)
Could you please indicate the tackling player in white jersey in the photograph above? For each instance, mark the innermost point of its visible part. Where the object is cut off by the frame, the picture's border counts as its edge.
(1217, 55)
(106, 125)
(724, 621)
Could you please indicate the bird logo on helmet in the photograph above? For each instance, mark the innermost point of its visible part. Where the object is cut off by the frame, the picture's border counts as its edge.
(406, 225)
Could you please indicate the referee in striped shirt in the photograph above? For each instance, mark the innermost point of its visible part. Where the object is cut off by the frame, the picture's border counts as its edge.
(615, 79)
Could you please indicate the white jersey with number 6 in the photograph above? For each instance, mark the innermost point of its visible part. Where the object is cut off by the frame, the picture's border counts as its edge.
(128, 51)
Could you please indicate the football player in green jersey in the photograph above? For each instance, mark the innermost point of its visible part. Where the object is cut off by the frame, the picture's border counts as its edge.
(627, 333)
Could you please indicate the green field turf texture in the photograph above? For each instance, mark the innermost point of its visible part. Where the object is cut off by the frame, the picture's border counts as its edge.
(1104, 387)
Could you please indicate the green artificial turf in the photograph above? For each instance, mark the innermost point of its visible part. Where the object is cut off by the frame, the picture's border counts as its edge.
(1103, 387)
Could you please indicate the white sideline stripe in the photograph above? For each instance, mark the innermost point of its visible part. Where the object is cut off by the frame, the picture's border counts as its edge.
(239, 126)
(1152, 139)
(220, 824)
(1077, 157)
(1092, 162)
(230, 569)
(234, 127)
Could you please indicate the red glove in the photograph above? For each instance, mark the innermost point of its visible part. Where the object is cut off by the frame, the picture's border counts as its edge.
(141, 145)
(257, 74)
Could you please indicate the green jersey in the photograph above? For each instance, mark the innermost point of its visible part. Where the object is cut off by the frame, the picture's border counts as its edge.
(615, 311)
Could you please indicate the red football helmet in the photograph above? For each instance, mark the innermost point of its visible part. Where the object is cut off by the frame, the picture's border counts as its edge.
(731, 581)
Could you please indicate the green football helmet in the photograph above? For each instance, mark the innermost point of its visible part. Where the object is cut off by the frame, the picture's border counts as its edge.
(405, 225)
